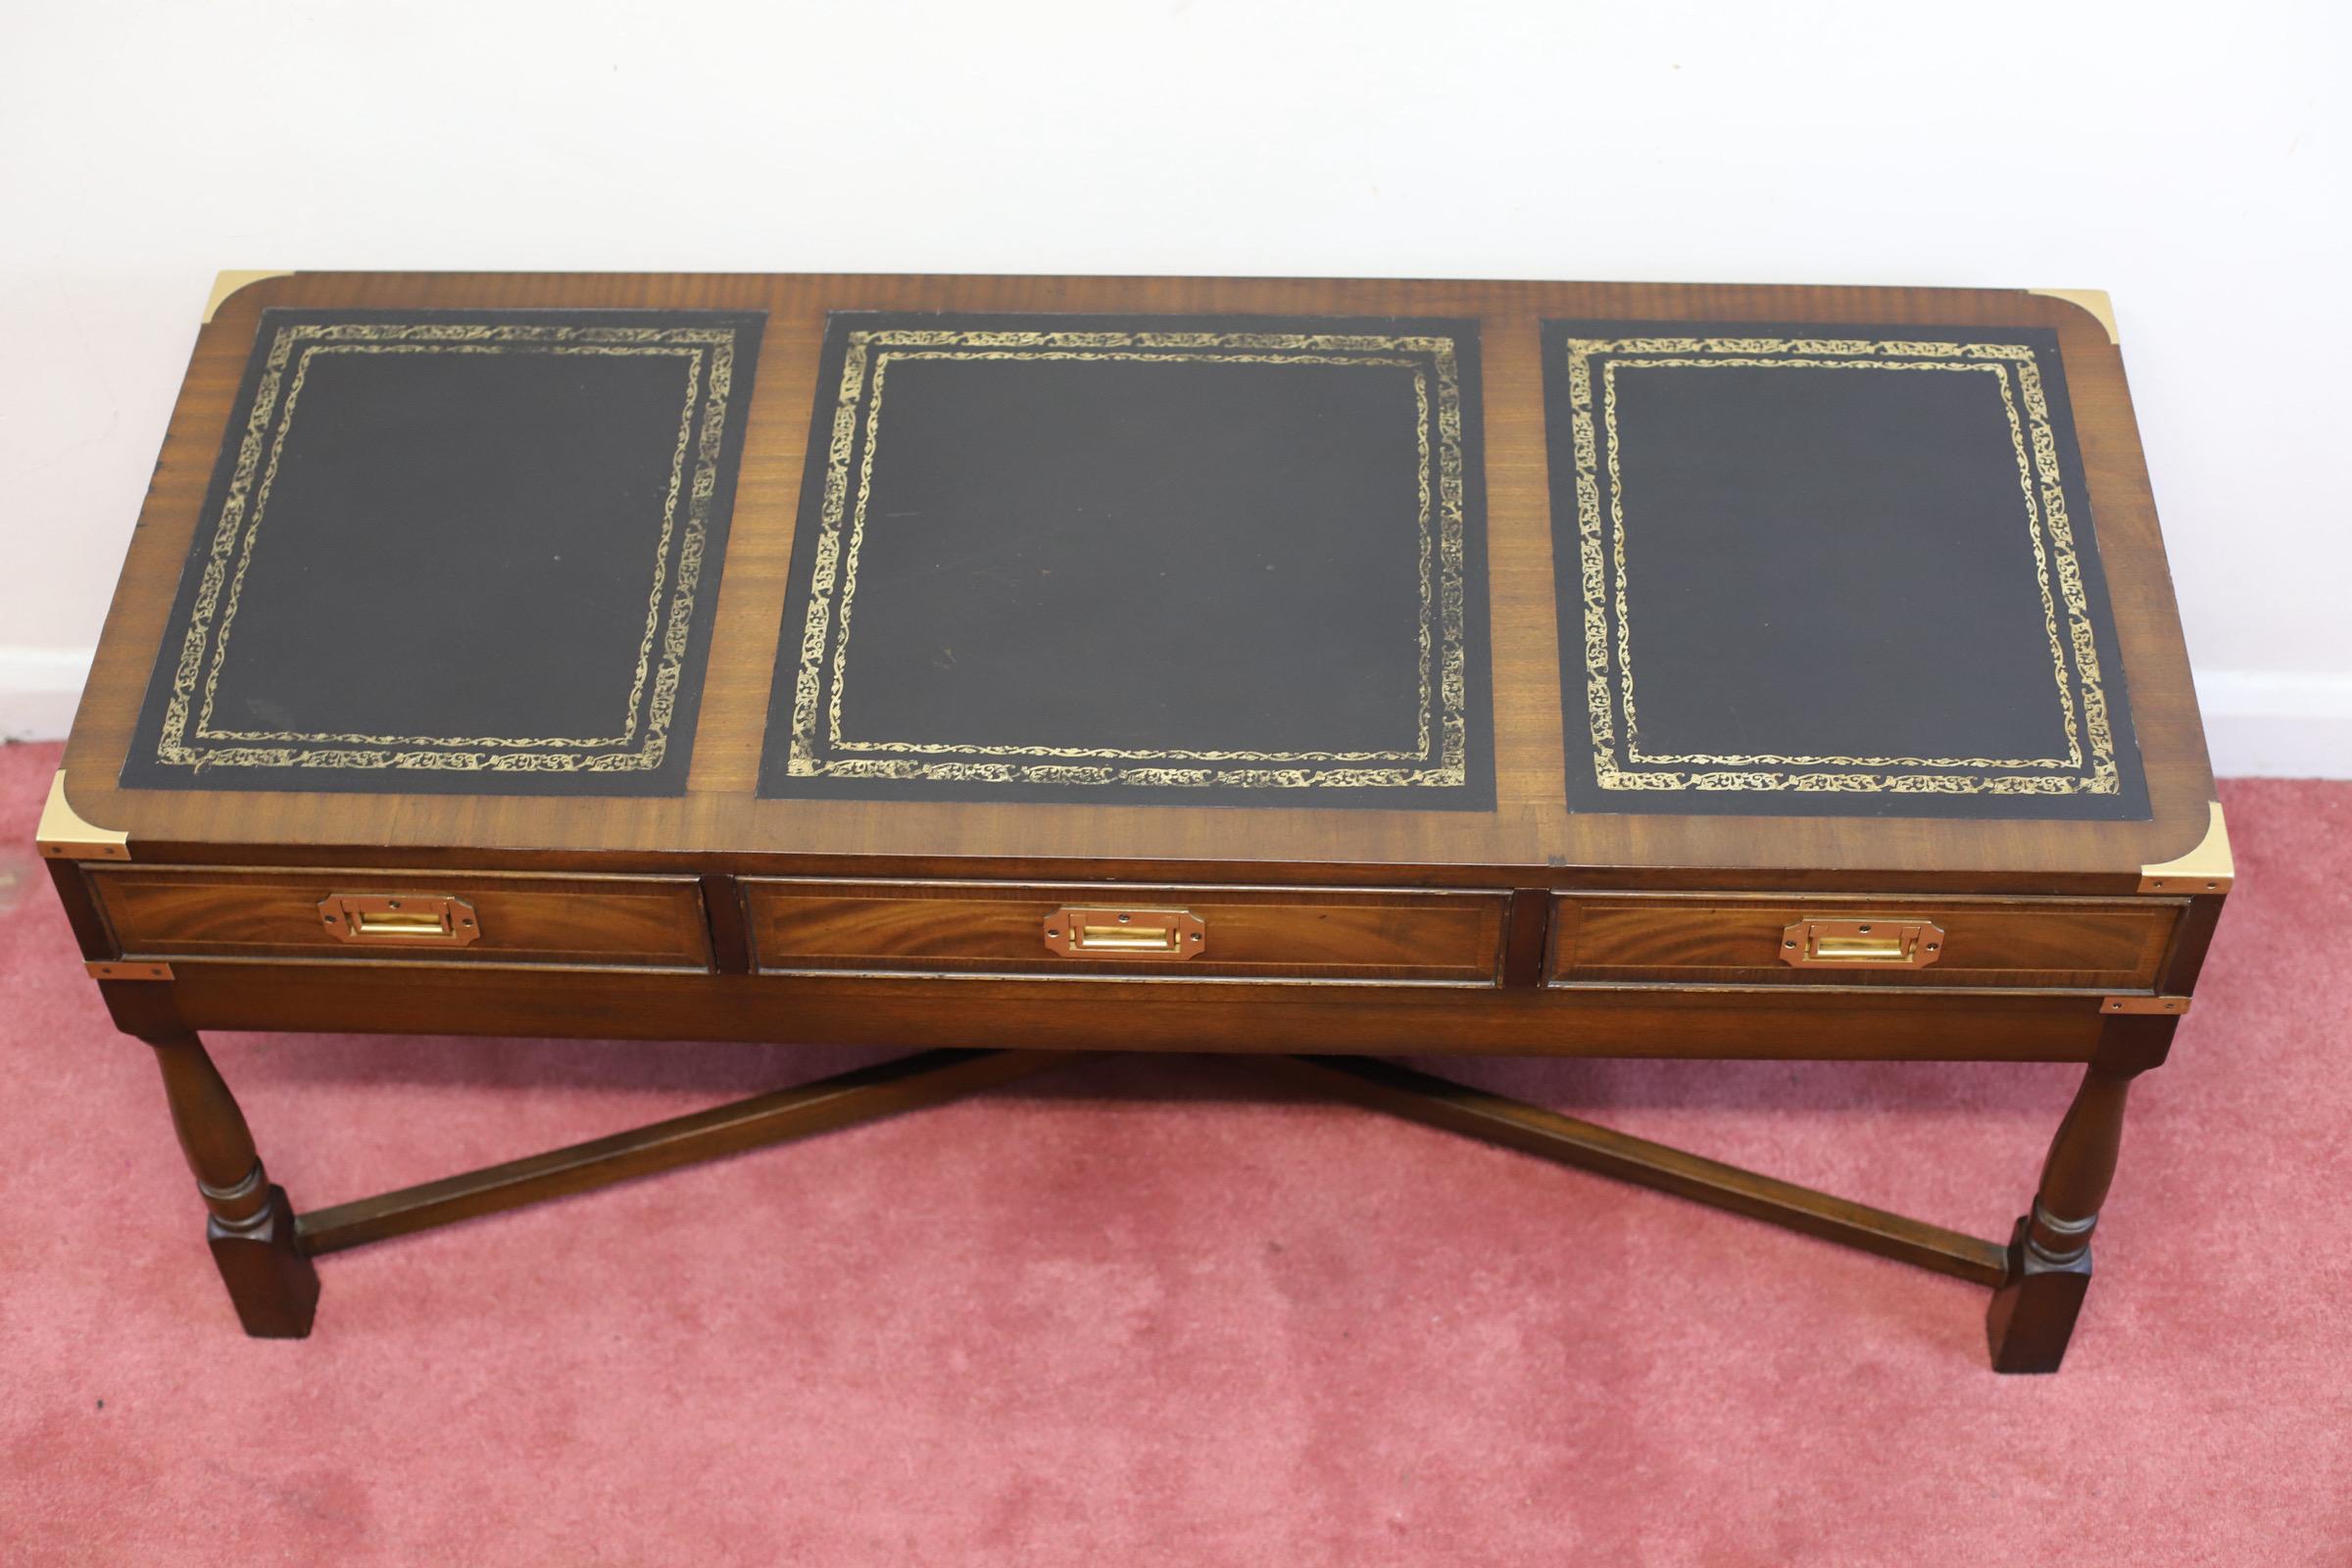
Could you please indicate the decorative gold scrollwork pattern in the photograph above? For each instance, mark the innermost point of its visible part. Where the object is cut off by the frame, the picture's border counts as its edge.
(1441, 758)
(1607, 600)
(706, 355)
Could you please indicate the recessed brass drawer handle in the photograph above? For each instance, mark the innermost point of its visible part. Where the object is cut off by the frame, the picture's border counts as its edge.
(1878, 944)
(1126, 933)
(411, 918)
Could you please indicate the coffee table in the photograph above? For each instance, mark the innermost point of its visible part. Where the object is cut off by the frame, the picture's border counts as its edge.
(1325, 672)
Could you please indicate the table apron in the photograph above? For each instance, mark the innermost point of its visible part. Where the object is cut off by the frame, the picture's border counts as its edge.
(1114, 1014)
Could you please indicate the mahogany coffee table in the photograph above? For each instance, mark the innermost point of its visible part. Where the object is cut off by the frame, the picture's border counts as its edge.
(1330, 669)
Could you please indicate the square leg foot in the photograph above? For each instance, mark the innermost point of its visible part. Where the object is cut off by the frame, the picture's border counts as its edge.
(269, 1279)
(2032, 1314)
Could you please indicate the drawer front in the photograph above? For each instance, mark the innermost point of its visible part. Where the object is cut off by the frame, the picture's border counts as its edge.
(1365, 936)
(456, 918)
(2085, 944)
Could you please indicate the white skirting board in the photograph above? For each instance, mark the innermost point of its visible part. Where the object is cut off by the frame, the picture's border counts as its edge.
(2277, 723)
(2259, 723)
(39, 689)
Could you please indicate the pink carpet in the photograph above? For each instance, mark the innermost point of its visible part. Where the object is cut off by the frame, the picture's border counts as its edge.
(1152, 1312)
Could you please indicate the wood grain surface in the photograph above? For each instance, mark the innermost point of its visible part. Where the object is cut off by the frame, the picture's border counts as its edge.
(165, 912)
(1249, 933)
(2061, 942)
(1530, 838)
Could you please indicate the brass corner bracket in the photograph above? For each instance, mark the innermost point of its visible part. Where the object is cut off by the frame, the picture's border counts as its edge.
(2168, 1007)
(128, 969)
(2207, 869)
(2093, 300)
(64, 836)
(228, 283)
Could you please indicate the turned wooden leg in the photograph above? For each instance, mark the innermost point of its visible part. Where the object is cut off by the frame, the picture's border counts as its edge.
(2033, 1311)
(250, 1225)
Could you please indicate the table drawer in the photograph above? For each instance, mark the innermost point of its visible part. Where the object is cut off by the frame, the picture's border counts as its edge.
(652, 922)
(1369, 935)
(2088, 944)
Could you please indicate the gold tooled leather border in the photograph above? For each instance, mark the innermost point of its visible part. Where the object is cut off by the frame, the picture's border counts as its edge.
(1443, 633)
(1741, 772)
(195, 679)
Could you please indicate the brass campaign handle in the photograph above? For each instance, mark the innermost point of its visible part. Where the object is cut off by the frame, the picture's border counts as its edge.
(1164, 934)
(1876, 943)
(414, 918)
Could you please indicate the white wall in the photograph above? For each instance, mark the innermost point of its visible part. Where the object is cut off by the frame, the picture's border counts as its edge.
(2191, 160)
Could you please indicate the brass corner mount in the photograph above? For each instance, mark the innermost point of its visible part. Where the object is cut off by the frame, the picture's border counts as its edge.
(64, 836)
(2093, 300)
(2207, 869)
(228, 283)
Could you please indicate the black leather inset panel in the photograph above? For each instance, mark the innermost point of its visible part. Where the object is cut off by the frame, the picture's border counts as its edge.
(1230, 560)
(1815, 570)
(457, 552)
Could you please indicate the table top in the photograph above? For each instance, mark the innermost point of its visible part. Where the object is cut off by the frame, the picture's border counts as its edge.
(1186, 579)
